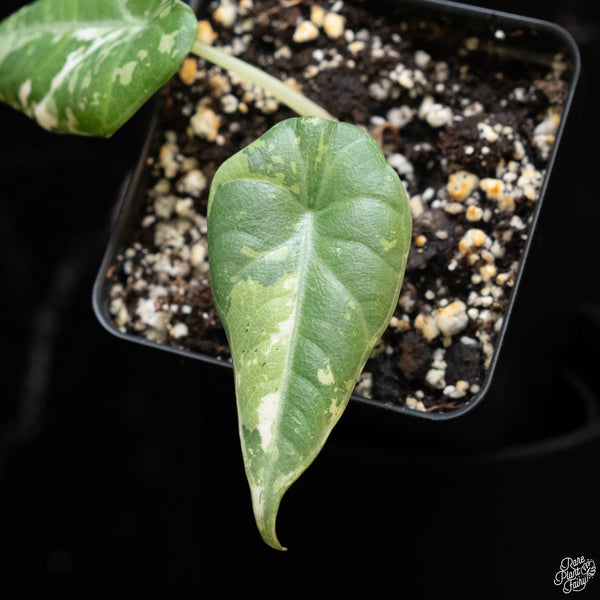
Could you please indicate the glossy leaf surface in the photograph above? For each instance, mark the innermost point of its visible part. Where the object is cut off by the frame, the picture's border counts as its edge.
(309, 231)
(86, 66)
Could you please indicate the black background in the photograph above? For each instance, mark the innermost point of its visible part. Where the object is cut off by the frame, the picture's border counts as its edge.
(120, 468)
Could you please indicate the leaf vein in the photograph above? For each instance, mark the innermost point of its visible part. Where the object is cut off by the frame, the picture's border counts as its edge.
(345, 200)
(372, 250)
(269, 182)
(349, 293)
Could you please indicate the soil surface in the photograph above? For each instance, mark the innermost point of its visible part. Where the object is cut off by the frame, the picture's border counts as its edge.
(467, 125)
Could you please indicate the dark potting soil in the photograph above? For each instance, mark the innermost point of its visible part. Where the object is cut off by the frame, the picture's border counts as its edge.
(467, 125)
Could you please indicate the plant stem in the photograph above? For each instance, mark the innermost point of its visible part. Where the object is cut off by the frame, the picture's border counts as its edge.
(294, 100)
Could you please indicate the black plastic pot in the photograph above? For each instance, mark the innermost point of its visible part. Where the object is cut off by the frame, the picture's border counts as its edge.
(518, 400)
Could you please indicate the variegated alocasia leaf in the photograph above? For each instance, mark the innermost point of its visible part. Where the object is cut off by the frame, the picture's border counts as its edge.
(309, 231)
(86, 66)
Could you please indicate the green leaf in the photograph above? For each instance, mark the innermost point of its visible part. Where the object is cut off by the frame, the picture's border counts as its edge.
(309, 231)
(86, 66)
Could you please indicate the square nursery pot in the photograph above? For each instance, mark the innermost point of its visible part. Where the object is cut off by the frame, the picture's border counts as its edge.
(470, 106)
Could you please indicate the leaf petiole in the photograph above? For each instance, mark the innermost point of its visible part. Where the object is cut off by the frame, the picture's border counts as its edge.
(282, 92)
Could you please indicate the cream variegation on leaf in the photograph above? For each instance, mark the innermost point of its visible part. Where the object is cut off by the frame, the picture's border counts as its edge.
(309, 231)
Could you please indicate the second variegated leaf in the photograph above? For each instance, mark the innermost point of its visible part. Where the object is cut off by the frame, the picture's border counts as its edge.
(85, 67)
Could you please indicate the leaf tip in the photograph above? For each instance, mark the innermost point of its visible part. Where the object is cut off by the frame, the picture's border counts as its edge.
(276, 545)
(266, 528)
(270, 538)
(266, 517)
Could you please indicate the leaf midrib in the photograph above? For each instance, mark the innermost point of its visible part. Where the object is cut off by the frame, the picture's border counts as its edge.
(306, 245)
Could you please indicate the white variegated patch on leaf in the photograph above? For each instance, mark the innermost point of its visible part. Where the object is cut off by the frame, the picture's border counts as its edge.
(86, 66)
(309, 231)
